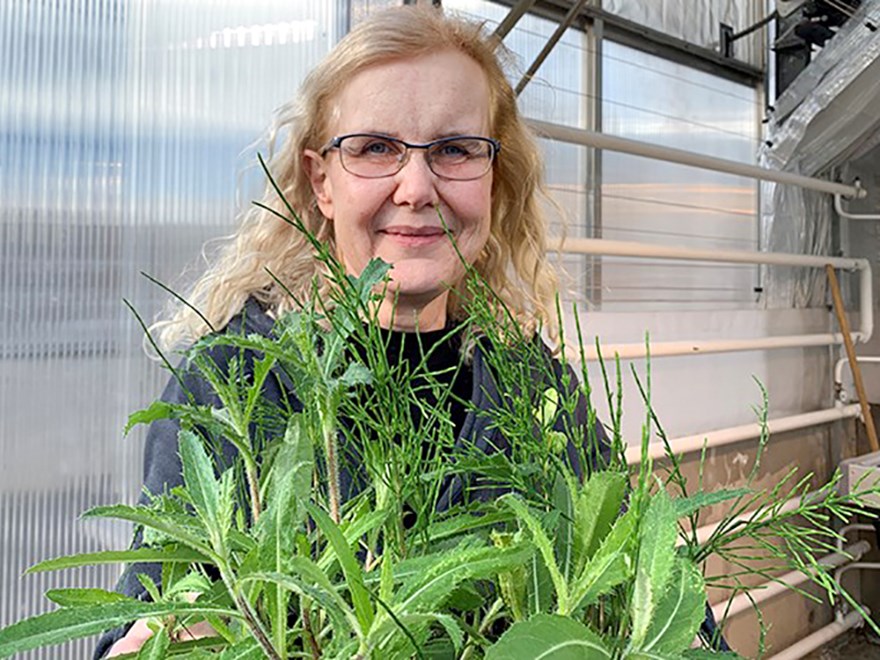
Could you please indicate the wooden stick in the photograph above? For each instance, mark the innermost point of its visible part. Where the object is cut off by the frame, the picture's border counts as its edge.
(851, 355)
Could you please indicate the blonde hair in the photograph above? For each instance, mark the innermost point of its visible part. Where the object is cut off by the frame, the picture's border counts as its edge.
(514, 261)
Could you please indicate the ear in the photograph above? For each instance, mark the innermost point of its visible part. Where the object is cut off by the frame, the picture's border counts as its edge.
(316, 170)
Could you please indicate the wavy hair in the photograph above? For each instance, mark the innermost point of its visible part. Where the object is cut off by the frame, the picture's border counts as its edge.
(514, 262)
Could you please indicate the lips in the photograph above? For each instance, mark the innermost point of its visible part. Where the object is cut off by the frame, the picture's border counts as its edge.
(412, 231)
(413, 237)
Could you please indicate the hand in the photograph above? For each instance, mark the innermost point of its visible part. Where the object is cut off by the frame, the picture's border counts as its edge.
(140, 632)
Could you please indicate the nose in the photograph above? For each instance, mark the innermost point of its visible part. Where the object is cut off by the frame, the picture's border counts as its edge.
(415, 183)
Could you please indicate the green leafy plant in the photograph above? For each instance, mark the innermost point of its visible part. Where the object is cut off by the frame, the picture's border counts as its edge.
(571, 557)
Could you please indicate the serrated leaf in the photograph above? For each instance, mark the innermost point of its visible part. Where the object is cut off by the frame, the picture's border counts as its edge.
(201, 484)
(182, 555)
(156, 411)
(680, 611)
(356, 374)
(427, 590)
(156, 647)
(248, 649)
(74, 623)
(541, 541)
(657, 534)
(598, 506)
(549, 637)
(610, 566)
(170, 525)
(685, 506)
(75, 597)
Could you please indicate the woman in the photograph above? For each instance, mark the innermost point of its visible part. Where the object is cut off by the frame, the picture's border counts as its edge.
(409, 120)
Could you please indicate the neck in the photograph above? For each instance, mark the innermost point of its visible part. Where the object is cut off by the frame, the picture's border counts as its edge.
(408, 316)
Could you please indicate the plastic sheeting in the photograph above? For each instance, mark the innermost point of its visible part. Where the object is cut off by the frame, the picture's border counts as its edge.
(121, 125)
(826, 117)
(698, 22)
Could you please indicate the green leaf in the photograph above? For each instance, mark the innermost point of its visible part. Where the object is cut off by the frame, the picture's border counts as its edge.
(356, 374)
(354, 576)
(248, 649)
(707, 654)
(157, 410)
(685, 506)
(542, 542)
(549, 637)
(74, 623)
(171, 525)
(680, 612)
(289, 486)
(427, 590)
(178, 555)
(657, 535)
(610, 566)
(74, 597)
(156, 647)
(598, 506)
(201, 484)
(310, 581)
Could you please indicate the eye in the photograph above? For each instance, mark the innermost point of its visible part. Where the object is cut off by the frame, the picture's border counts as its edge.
(459, 149)
(368, 146)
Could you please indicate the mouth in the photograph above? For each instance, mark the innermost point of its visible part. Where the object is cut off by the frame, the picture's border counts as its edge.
(414, 236)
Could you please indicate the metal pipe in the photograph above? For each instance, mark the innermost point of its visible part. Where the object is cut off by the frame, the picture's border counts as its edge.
(566, 22)
(599, 246)
(822, 636)
(693, 443)
(745, 600)
(602, 246)
(682, 157)
(699, 347)
(516, 12)
(838, 206)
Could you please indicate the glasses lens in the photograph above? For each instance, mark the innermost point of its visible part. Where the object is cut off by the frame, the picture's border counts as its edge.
(371, 156)
(461, 158)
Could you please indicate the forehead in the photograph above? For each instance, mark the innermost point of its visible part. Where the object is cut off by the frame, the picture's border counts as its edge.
(416, 98)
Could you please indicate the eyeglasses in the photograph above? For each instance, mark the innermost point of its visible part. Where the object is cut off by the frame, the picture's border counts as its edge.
(459, 158)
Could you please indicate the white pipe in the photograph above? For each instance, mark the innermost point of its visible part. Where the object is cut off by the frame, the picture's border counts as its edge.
(822, 636)
(603, 246)
(692, 443)
(838, 206)
(636, 148)
(838, 373)
(860, 527)
(699, 347)
(599, 246)
(745, 600)
(856, 566)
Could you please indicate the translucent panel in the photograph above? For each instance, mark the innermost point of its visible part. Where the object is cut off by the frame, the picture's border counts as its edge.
(698, 22)
(123, 129)
(653, 100)
(558, 93)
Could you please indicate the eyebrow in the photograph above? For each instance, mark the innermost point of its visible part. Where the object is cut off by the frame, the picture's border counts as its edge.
(438, 136)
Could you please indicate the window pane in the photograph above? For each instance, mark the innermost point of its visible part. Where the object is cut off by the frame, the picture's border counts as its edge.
(654, 100)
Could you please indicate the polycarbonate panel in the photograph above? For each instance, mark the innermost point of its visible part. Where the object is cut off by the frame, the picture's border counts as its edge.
(654, 100)
(557, 93)
(124, 125)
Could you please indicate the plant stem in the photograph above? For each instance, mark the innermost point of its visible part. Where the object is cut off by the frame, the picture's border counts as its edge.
(253, 485)
(330, 450)
(250, 618)
(310, 634)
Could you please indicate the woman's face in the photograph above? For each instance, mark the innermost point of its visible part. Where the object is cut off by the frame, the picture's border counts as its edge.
(396, 217)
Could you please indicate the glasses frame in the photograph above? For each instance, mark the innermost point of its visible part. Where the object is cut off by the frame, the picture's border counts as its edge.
(336, 142)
